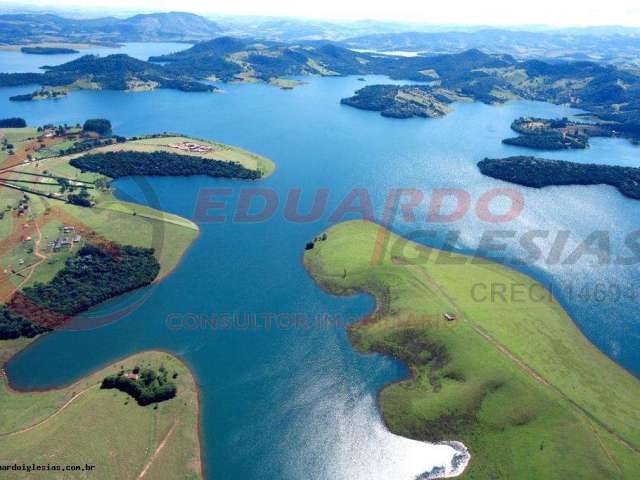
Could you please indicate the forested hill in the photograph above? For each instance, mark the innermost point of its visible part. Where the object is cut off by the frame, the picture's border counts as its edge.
(610, 92)
(472, 73)
(114, 72)
(173, 26)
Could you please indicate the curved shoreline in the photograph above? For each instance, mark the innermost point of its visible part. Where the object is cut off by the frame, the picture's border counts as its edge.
(326, 271)
(110, 364)
(367, 318)
(161, 277)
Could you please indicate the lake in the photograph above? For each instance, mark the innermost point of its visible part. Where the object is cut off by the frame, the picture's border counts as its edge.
(12, 61)
(280, 398)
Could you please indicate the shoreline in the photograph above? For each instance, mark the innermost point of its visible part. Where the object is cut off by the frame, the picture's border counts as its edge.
(380, 307)
(367, 318)
(196, 385)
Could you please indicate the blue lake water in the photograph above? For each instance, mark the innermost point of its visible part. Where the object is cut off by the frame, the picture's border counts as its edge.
(16, 61)
(293, 402)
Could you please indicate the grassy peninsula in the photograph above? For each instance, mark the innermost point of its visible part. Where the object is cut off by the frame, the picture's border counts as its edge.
(512, 378)
(67, 244)
(539, 173)
(122, 440)
(59, 217)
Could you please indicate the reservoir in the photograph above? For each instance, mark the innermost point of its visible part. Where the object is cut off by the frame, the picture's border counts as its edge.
(283, 393)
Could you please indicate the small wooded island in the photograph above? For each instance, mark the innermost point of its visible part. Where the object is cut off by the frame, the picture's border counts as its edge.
(402, 101)
(48, 50)
(537, 173)
(558, 134)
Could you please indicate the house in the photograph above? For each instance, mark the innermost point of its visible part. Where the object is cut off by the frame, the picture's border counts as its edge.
(77, 238)
(133, 376)
(449, 317)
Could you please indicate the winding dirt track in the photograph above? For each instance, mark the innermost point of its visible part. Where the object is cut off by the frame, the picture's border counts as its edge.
(45, 420)
(158, 450)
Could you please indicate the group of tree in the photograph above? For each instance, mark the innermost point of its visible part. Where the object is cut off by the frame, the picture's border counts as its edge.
(160, 163)
(82, 199)
(144, 385)
(538, 173)
(90, 277)
(13, 122)
(100, 126)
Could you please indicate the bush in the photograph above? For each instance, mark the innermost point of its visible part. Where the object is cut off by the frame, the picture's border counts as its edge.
(97, 125)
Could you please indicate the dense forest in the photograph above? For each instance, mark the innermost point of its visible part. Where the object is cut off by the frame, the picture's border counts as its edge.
(12, 123)
(144, 385)
(92, 276)
(47, 50)
(130, 163)
(538, 173)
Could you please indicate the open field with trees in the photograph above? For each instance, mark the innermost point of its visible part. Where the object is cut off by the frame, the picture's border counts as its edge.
(509, 375)
(219, 151)
(122, 439)
(48, 243)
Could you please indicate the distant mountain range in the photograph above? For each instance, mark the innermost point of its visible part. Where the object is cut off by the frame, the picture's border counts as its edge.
(601, 44)
(173, 26)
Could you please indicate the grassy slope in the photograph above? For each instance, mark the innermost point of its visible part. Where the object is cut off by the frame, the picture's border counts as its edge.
(515, 381)
(110, 219)
(104, 427)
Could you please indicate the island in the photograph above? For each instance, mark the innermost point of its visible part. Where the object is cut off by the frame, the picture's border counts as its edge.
(403, 101)
(557, 134)
(511, 377)
(128, 439)
(538, 173)
(44, 93)
(37, 50)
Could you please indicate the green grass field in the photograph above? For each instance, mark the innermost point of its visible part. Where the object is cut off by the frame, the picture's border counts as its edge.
(110, 219)
(220, 151)
(83, 424)
(514, 380)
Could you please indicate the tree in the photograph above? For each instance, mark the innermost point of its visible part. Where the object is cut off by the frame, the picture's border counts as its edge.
(100, 126)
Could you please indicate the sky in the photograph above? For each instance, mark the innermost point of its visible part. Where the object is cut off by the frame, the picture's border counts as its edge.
(450, 12)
